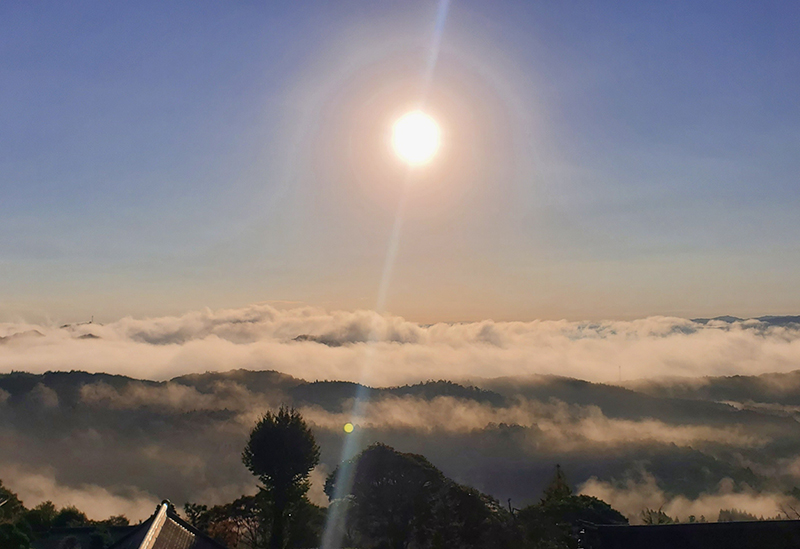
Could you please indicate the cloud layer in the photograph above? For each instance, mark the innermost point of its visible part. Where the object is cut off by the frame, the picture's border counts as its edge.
(387, 350)
(35, 486)
(693, 446)
(632, 496)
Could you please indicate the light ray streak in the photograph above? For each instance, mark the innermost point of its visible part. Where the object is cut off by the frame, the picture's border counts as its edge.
(433, 57)
(334, 524)
(337, 516)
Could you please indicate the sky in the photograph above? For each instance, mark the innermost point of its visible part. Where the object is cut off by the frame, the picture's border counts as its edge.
(598, 160)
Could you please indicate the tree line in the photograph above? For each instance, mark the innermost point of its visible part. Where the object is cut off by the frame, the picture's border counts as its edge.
(391, 500)
(382, 498)
(19, 526)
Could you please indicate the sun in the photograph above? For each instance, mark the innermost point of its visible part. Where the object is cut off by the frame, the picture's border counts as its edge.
(416, 137)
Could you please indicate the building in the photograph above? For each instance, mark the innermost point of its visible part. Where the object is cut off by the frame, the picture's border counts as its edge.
(772, 534)
(166, 530)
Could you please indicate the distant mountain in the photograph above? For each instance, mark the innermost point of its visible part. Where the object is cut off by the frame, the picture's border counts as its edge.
(774, 388)
(21, 335)
(768, 320)
(334, 395)
(254, 380)
(725, 318)
(65, 385)
(614, 401)
(183, 437)
(318, 339)
(780, 320)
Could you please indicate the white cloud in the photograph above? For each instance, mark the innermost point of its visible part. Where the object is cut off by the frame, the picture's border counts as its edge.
(636, 494)
(317, 492)
(385, 350)
(44, 396)
(557, 425)
(225, 395)
(34, 487)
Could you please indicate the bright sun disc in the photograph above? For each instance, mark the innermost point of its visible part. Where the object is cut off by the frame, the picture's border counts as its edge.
(416, 137)
(348, 427)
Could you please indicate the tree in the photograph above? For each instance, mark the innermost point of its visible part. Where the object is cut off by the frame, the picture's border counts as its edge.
(242, 522)
(306, 525)
(41, 517)
(655, 516)
(558, 487)
(196, 515)
(573, 510)
(390, 493)
(12, 538)
(553, 523)
(114, 521)
(281, 452)
(398, 499)
(10, 505)
(70, 517)
(735, 515)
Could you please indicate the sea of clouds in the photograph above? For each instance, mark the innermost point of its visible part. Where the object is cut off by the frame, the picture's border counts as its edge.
(378, 350)
(382, 349)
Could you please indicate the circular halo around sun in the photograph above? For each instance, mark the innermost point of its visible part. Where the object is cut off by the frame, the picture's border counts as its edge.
(416, 137)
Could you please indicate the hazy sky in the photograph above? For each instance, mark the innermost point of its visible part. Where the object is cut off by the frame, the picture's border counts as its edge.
(599, 160)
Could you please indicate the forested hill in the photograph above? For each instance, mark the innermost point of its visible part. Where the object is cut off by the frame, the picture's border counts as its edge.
(501, 435)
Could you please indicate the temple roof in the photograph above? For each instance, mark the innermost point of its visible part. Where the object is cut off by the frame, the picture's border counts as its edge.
(166, 530)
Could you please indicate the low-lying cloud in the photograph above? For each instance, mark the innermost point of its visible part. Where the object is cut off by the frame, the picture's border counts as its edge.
(557, 426)
(124, 444)
(175, 397)
(312, 343)
(98, 502)
(635, 495)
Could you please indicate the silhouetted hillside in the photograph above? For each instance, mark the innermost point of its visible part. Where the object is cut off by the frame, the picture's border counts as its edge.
(258, 381)
(788, 320)
(502, 435)
(780, 388)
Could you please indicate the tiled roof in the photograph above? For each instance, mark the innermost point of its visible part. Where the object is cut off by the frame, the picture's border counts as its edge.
(173, 536)
(166, 530)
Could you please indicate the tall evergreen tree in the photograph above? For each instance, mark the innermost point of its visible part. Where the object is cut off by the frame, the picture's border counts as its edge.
(558, 487)
(281, 452)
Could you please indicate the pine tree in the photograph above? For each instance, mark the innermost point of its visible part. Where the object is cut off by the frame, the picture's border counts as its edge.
(558, 488)
(281, 452)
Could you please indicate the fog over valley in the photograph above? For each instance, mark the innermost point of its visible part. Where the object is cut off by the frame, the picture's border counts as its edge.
(646, 413)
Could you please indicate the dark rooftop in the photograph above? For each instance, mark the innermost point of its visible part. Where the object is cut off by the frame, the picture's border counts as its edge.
(772, 534)
(166, 530)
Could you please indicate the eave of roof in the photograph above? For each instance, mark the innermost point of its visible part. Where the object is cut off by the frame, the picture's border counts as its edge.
(147, 535)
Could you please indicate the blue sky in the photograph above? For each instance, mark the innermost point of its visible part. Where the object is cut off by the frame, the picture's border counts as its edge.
(600, 160)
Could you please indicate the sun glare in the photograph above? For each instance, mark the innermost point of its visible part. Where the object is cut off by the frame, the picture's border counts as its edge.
(416, 137)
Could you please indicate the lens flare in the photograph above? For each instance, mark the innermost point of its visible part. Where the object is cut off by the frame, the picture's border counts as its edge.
(416, 137)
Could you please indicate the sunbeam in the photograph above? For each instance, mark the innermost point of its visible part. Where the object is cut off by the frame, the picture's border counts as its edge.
(337, 516)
